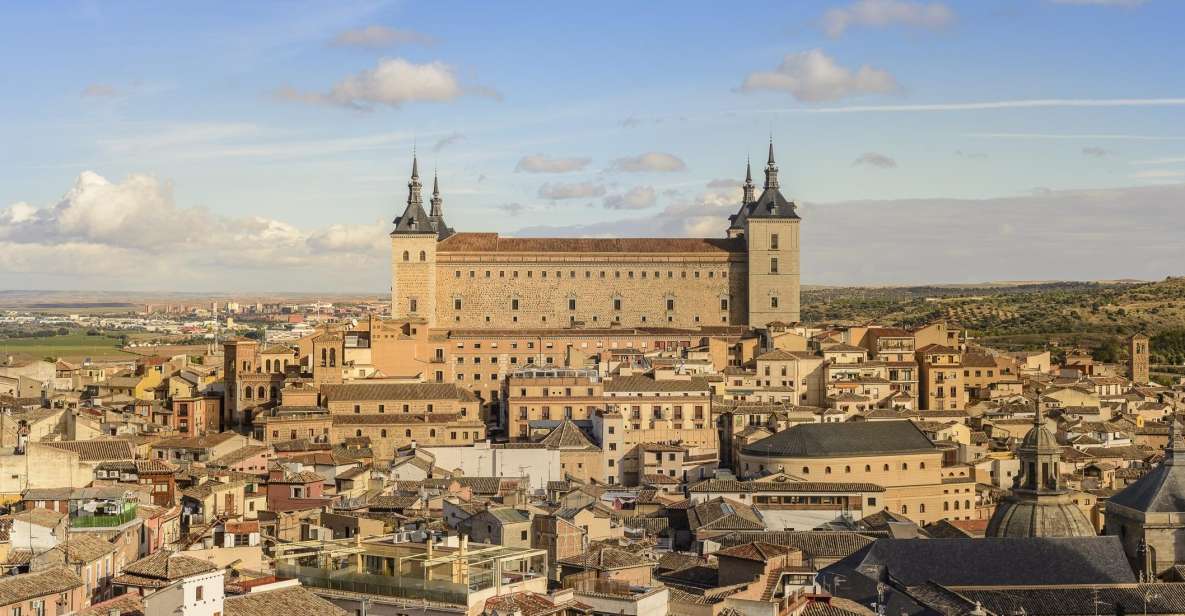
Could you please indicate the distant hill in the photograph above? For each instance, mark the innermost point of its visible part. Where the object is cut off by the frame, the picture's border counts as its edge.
(1020, 315)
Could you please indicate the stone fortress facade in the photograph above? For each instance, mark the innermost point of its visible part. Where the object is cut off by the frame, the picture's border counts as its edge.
(463, 280)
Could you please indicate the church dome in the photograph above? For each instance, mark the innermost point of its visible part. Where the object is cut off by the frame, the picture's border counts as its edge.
(1047, 517)
(1039, 438)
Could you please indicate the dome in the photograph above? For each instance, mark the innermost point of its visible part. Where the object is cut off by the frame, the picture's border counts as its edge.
(1039, 438)
(1046, 517)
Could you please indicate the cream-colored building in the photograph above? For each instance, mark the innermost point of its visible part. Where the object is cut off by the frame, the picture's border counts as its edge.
(750, 276)
(895, 455)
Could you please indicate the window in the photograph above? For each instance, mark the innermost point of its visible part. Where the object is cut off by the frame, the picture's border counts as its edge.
(406, 256)
(773, 302)
(423, 256)
(523, 535)
(412, 305)
(514, 304)
(724, 303)
(457, 304)
(617, 304)
(773, 241)
(670, 304)
(571, 304)
(773, 265)
(197, 592)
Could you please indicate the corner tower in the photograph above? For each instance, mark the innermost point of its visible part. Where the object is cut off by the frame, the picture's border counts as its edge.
(769, 225)
(413, 254)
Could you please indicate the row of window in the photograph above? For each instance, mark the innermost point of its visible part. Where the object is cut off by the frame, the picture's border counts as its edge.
(589, 274)
(263, 393)
(515, 304)
(465, 436)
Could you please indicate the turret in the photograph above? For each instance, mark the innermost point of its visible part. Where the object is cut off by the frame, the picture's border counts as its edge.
(771, 169)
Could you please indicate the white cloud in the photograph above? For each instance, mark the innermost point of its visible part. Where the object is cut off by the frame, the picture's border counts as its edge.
(539, 163)
(379, 37)
(392, 82)
(872, 159)
(1095, 152)
(813, 76)
(577, 190)
(1159, 174)
(649, 162)
(987, 105)
(1050, 235)
(881, 13)
(131, 233)
(637, 198)
(99, 90)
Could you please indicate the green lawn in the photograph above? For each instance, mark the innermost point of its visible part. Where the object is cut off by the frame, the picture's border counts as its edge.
(74, 346)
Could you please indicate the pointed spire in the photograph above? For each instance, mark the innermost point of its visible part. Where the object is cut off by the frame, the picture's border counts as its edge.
(415, 164)
(437, 202)
(771, 168)
(1176, 448)
(748, 196)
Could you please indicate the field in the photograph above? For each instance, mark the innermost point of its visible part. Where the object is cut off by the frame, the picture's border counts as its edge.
(73, 347)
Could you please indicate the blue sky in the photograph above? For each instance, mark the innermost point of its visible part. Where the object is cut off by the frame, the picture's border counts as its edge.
(265, 146)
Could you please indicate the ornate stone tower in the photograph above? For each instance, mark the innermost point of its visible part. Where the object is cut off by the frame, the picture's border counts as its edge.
(1137, 358)
(1038, 506)
(1148, 516)
(769, 225)
(413, 253)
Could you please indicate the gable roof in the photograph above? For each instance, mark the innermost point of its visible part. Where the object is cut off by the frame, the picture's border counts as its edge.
(161, 569)
(19, 588)
(97, 450)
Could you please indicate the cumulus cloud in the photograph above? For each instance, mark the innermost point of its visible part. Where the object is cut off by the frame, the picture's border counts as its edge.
(393, 83)
(637, 198)
(539, 163)
(576, 190)
(813, 76)
(1095, 152)
(872, 159)
(99, 90)
(1052, 235)
(649, 162)
(882, 13)
(132, 232)
(447, 140)
(380, 37)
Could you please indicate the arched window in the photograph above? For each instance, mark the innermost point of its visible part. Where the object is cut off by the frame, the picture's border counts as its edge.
(886, 467)
(945, 506)
(904, 509)
(966, 504)
(268, 363)
(323, 356)
(423, 256)
(357, 433)
(383, 433)
(806, 470)
(867, 468)
(262, 393)
(827, 470)
(247, 392)
(406, 256)
(432, 433)
(847, 469)
(332, 357)
(407, 433)
(922, 508)
(956, 505)
(904, 466)
(921, 465)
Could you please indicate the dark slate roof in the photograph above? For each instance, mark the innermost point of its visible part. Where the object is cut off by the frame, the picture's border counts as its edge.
(1162, 490)
(1160, 598)
(992, 562)
(843, 439)
(491, 242)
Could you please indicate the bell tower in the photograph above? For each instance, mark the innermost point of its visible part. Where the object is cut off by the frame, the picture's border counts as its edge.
(413, 256)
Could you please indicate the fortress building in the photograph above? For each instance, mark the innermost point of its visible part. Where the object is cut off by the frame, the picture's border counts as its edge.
(464, 280)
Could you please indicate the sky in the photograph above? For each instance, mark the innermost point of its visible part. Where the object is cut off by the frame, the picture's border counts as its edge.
(266, 146)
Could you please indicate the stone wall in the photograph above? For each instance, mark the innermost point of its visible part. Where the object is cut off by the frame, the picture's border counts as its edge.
(552, 290)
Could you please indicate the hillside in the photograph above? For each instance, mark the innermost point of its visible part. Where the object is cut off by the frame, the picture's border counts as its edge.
(1091, 314)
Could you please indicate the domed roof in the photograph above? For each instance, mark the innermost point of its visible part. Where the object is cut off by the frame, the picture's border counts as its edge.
(1046, 517)
(1039, 438)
